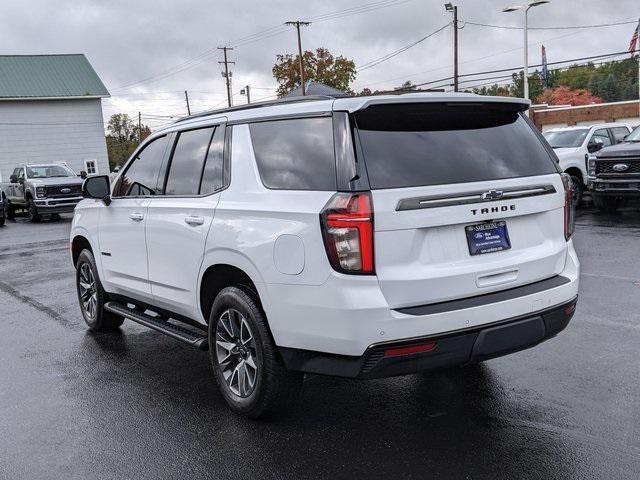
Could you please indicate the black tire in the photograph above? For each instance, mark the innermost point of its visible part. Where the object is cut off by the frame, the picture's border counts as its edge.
(97, 318)
(9, 212)
(606, 204)
(2, 220)
(32, 211)
(275, 389)
(578, 190)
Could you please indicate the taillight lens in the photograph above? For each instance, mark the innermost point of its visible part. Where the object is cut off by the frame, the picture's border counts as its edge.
(347, 228)
(569, 210)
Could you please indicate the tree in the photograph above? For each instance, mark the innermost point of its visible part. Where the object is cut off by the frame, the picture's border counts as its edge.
(122, 138)
(321, 65)
(565, 96)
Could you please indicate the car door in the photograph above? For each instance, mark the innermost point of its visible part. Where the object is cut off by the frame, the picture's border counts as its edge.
(18, 187)
(122, 224)
(179, 220)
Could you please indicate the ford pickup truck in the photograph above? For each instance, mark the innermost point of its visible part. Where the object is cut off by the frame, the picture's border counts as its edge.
(44, 189)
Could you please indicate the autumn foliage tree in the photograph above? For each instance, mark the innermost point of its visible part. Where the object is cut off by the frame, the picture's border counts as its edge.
(566, 96)
(122, 138)
(321, 65)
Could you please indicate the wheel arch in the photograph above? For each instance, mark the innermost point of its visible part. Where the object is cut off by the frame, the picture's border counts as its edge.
(575, 172)
(79, 243)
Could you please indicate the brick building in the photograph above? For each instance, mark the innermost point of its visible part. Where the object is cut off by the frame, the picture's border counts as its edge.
(553, 116)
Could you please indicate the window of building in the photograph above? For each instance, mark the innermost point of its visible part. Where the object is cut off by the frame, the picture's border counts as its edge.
(90, 166)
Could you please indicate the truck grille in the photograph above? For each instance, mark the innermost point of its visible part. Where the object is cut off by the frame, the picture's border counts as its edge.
(605, 167)
(63, 191)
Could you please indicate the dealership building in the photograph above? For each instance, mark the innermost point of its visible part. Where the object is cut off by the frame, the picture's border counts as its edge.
(51, 111)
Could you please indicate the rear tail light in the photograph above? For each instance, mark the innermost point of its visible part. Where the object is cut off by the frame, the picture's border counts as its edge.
(347, 228)
(569, 210)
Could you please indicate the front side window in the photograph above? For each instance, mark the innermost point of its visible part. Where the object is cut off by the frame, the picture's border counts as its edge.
(601, 136)
(411, 145)
(187, 162)
(295, 154)
(634, 136)
(141, 176)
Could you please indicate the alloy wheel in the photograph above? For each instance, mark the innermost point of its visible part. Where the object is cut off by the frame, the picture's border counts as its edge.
(236, 353)
(88, 290)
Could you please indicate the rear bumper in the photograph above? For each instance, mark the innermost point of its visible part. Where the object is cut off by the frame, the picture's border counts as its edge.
(443, 351)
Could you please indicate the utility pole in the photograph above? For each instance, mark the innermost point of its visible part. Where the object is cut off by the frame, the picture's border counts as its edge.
(139, 128)
(246, 91)
(226, 74)
(186, 97)
(297, 24)
(454, 8)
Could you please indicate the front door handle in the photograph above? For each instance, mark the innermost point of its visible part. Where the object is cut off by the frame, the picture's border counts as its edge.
(136, 216)
(194, 220)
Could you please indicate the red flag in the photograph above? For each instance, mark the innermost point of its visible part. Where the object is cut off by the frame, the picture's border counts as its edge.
(634, 41)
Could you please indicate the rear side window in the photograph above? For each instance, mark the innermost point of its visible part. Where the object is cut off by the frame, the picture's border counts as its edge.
(187, 162)
(619, 133)
(295, 154)
(141, 176)
(407, 145)
(212, 176)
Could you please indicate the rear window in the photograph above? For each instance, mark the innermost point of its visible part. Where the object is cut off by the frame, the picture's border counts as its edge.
(433, 144)
(295, 154)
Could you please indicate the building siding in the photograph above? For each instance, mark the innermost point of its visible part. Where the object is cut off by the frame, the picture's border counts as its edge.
(41, 131)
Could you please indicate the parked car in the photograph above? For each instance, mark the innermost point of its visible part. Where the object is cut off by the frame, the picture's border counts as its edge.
(614, 173)
(2, 208)
(360, 237)
(573, 145)
(42, 189)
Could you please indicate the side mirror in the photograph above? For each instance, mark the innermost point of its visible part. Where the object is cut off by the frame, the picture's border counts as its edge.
(97, 187)
(13, 179)
(595, 146)
(83, 174)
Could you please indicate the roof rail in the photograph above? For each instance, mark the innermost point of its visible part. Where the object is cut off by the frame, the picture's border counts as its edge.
(268, 103)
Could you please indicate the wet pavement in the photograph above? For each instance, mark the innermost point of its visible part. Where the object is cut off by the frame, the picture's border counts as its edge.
(136, 404)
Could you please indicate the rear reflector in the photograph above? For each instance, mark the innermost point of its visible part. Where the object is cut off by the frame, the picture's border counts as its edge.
(569, 309)
(396, 352)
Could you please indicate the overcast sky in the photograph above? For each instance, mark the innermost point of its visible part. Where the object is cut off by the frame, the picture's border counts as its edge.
(170, 46)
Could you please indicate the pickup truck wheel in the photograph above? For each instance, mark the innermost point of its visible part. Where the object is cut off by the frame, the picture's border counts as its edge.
(92, 296)
(606, 204)
(2, 220)
(247, 369)
(9, 212)
(578, 190)
(32, 211)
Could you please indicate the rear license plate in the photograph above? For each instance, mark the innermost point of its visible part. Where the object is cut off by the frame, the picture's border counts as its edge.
(487, 237)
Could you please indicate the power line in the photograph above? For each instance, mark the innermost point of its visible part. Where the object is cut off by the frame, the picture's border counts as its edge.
(570, 27)
(388, 56)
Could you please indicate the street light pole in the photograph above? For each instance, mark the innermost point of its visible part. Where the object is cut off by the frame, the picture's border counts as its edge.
(526, 9)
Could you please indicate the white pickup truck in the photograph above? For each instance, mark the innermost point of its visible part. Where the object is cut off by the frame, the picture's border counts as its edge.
(573, 145)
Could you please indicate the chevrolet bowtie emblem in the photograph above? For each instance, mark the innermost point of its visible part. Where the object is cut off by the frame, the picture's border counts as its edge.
(492, 195)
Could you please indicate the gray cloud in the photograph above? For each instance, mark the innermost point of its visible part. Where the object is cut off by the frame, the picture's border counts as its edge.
(127, 41)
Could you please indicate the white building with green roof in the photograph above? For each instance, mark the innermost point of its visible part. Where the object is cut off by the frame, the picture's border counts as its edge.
(51, 111)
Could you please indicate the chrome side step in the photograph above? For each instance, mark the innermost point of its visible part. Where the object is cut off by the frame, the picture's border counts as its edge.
(176, 332)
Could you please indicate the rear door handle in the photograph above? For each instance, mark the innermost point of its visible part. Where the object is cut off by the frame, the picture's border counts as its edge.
(193, 220)
(136, 216)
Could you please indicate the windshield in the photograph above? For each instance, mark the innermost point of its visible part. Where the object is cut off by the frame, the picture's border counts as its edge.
(566, 138)
(634, 136)
(48, 171)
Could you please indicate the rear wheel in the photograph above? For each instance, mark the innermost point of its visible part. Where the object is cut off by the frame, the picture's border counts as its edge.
(251, 377)
(606, 204)
(92, 296)
(32, 211)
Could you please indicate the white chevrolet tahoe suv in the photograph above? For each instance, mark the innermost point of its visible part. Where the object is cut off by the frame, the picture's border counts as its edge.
(359, 237)
(575, 145)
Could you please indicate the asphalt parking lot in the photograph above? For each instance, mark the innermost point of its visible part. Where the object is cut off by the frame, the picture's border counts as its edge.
(136, 404)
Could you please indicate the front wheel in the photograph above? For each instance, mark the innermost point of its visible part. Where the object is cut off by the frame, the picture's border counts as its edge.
(92, 297)
(578, 189)
(34, 216)
(247, 369)
(606, 204)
